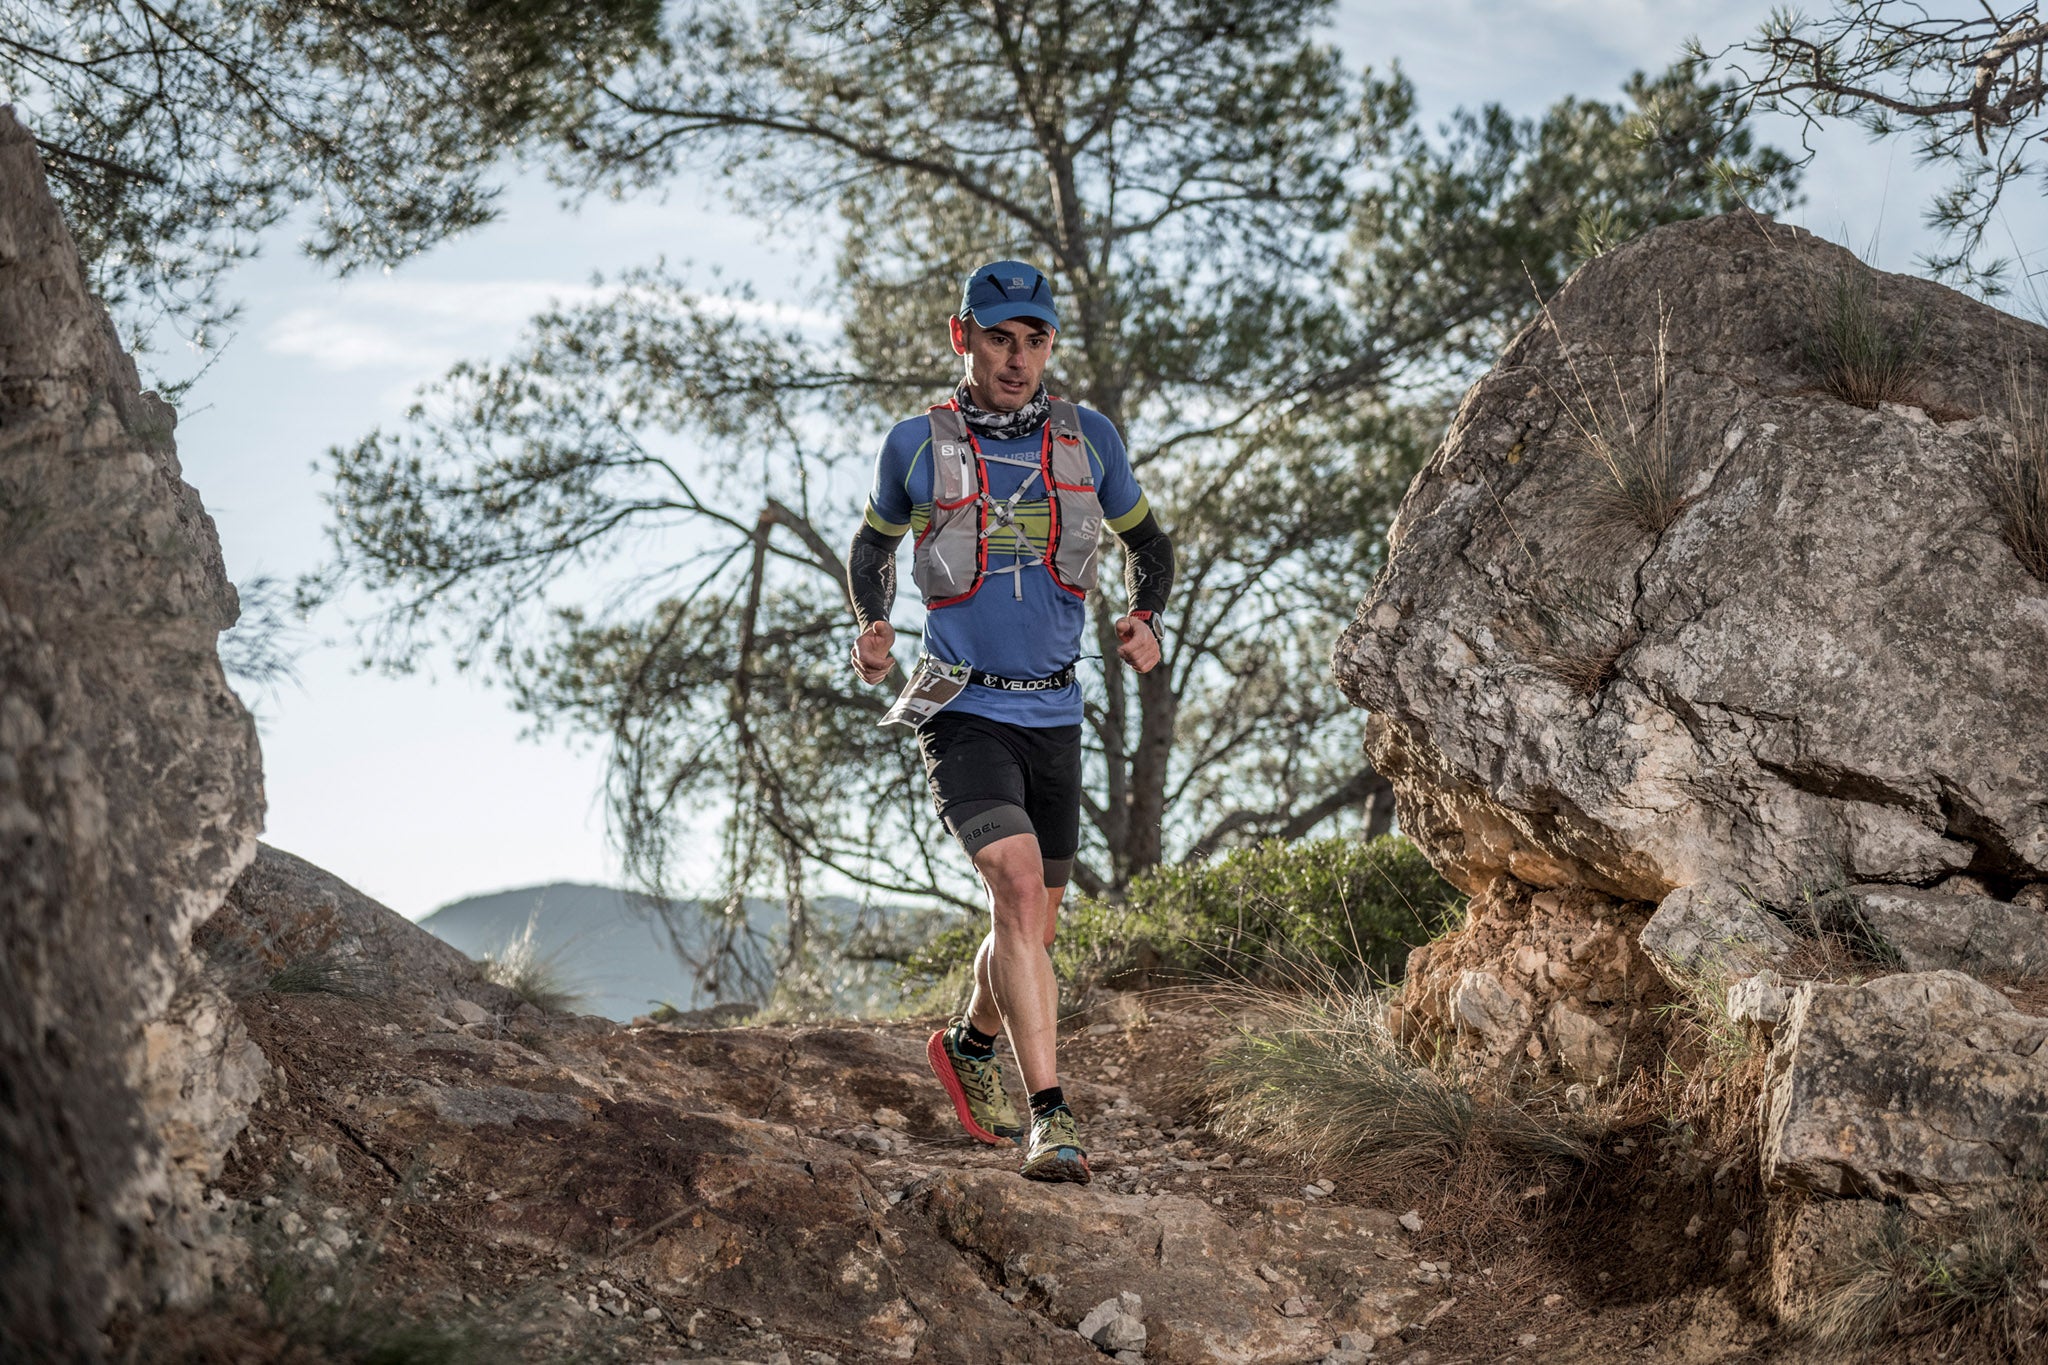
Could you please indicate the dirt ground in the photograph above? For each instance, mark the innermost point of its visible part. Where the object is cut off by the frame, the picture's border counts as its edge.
(556, 1188)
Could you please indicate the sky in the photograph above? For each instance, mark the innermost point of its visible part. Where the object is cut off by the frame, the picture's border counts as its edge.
(421, 789)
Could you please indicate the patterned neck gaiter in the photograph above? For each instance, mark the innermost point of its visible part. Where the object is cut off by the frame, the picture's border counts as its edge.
(1004, 426)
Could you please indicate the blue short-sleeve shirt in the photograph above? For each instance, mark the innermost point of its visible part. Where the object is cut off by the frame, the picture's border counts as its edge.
(1032, 636)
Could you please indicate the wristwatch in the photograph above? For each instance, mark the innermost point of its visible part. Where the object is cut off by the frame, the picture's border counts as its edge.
(1151, 623)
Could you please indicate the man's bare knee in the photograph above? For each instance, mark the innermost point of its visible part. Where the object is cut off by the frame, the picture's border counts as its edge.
(1019, 909)
(1011, 861)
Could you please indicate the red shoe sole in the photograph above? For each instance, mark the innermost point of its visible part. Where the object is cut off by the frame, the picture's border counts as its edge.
(942, 1067)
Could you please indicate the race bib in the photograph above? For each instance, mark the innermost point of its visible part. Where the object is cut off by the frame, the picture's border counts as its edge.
(931, 689)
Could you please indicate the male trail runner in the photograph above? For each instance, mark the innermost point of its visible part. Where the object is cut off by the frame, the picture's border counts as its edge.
(1008, 490)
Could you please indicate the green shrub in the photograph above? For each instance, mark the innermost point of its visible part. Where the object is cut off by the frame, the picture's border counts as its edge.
(1267, 913)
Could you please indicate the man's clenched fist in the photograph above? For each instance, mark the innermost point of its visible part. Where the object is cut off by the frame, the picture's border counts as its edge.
(871, 656)
(1137, 645)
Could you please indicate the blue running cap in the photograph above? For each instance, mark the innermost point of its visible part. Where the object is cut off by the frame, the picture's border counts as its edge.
(1002, 290)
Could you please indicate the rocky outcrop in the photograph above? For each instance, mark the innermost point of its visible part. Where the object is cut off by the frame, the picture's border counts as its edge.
(130, 798)
(1825, 666)
(1714, 931)
(285, 913)
(1919, 1084)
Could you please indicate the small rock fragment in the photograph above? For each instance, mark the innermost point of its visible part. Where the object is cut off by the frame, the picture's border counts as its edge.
(1411, 1220)
(1294, 1307)
(1111, 1328)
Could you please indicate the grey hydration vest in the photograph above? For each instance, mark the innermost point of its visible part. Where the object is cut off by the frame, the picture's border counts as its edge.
(950, 561)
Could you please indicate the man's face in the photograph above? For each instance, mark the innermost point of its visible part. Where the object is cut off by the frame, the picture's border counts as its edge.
(1004, 362)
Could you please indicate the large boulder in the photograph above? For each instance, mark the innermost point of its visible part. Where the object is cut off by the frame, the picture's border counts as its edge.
(1827, 667)
(130, 797)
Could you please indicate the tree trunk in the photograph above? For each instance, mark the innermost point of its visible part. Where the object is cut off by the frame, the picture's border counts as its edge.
(1379, 809)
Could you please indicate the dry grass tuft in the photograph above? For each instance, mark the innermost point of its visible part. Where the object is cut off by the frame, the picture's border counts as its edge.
(1639, 460)
(1860, 356)
(2018, 470)
(325, 974)
(1699, 1020)
(1319, 1077)
(533, 976)
(1836, 943)
(1567, 634)
(1976, 1279)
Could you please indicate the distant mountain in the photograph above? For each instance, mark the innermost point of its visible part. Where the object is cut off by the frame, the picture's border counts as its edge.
(615, 953)
(606, 946)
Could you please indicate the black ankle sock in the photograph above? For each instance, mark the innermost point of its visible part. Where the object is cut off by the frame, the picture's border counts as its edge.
(1044, 1101)
(972, 1042)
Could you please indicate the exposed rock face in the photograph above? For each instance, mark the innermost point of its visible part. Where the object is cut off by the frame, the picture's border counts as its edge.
(1553, 979)
(1929, 930)
(130, 797)
(283, 910)
(1828, 664)
(1714, 930)
(1911, 1085)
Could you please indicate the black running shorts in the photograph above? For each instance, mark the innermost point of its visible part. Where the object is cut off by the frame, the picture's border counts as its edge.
(976, 766)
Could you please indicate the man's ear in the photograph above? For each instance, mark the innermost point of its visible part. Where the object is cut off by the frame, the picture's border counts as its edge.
(959, 334)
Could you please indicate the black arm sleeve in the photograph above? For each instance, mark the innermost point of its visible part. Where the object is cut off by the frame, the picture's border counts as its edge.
(871, 575)
(1148, 566)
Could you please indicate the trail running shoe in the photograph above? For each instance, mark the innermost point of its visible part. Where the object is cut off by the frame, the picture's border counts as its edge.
(1055, 1152)
(976, 1085)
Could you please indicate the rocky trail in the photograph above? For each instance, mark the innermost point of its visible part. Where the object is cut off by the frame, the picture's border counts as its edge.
(429, 1149)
